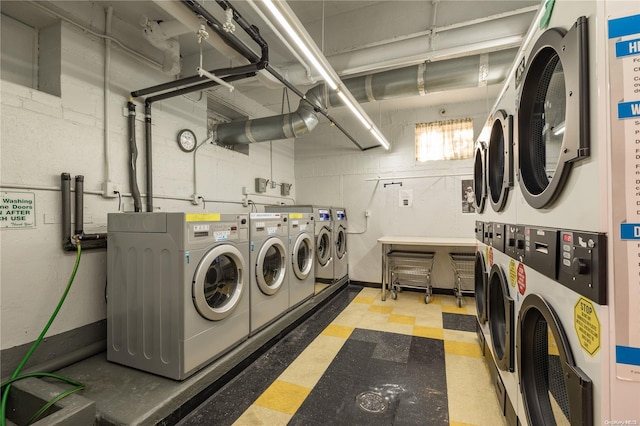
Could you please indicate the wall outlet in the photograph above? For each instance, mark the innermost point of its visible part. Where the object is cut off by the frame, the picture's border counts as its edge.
(111, 189)
(285, 189)
(196, 199)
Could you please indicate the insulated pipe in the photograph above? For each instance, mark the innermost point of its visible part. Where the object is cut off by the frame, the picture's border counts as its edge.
(202, 86)
(65, 185)
(409, 81)
(79, 220)
(133, 160)
(107, 116)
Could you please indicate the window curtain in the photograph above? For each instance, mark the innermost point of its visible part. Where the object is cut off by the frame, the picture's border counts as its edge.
(444, 140)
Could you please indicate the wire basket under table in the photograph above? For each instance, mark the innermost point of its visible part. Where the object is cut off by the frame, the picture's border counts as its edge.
(410, 270)
(463, 265)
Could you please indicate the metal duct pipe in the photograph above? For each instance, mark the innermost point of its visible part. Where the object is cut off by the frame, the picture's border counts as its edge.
(149, 156)
(415, 80)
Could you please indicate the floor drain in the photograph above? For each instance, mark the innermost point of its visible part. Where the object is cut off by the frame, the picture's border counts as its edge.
(372, 402)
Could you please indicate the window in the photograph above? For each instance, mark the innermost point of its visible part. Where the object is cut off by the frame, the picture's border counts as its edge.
(444, 140)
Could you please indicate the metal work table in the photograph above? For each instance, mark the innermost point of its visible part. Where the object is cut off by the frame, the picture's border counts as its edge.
(389, 241)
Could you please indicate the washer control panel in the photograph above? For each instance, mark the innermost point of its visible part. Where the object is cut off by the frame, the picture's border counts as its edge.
(514, 241)
(480, 231)
(497, 242)
(582, 264)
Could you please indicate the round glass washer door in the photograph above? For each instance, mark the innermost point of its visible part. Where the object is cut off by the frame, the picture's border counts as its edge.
(341, 242)
(271, 266)
(479, 177)
(553, 114)
(302, 256)
(323, 246)
(501, 309)
(500, 160)
(480, 287)
(555, 391)
(218, 282)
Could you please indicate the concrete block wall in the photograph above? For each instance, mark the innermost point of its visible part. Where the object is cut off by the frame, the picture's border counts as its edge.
(44, 135)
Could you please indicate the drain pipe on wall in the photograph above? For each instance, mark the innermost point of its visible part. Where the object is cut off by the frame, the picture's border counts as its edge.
(107, 186)
(133, 160)
(70, 242)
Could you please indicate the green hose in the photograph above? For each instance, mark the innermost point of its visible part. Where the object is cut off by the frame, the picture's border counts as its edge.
(15, 376)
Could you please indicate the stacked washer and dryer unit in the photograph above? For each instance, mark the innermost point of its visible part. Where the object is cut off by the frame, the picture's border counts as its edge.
(178, 289)
(560, 239)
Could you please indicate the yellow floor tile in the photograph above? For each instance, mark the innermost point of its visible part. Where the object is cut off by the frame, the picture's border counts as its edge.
(402, 319)
(430, 332)
(337, 331)
(261, 416)
(284, 397)
(455, 310)
(462, 348)
(311, 364)
(461, 336)
(471, 405)
(381, 309)
(460, 424)
(363, 299)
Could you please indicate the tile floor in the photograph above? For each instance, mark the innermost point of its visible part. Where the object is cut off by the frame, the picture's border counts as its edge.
(361, 361)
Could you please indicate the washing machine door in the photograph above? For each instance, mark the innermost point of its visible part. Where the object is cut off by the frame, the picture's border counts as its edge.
(271, 266)
(323, 246)
(553, 114)
(219, 282)
(500, 160)
(302, 256)
(479, 177)
(501, 321)
(554, 390)
(480, 288)
(341, 242)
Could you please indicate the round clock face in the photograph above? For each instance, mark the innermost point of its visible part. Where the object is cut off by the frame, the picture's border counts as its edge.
(187, 140)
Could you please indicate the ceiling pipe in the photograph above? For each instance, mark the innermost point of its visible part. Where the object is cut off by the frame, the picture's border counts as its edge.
(403, 82)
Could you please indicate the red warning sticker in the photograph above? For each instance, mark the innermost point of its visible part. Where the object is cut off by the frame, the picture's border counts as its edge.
(491, 256)
(522, 279)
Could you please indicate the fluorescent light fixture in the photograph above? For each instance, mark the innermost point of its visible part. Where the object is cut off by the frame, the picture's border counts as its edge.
(298, 41)
(380, 138)
(353, 109)
(288, 20)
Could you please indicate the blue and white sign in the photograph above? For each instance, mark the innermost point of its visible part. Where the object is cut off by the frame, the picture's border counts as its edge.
(630, 231)
(629, 109)
(628, 48)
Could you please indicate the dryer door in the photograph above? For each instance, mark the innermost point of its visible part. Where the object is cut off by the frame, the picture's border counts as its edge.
(341, 242)
(553, 128)
(500, 160)
(218, 282)
(554, 390)
(323, 246)
(501, 311)
(479, 177)
(302, 256)
(480, 281)
(271, 266)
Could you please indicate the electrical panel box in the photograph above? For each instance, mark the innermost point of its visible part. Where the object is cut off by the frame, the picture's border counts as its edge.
(285, 189)
(261, 185)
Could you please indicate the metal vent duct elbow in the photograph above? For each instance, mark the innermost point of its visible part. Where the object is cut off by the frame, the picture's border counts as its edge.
(415, 80)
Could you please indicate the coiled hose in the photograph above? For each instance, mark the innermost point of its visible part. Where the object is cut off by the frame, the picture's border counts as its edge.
(16, 374)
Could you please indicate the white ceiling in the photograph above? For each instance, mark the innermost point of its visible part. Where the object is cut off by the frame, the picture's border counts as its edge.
(346, 31)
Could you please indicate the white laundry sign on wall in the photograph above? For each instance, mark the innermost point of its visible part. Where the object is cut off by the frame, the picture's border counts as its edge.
(406, 197)
(18, 210)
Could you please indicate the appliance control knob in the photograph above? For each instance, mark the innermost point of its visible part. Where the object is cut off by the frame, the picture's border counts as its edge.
(580, 267)
(243, 221)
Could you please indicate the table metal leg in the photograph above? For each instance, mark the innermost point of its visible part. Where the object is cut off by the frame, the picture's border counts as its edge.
(385, 272)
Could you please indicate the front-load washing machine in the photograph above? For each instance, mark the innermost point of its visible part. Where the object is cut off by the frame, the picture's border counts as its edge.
(269, 289)
(341, 262)
(480, 176)
(177, 290)
(323, 232)
(302, 254)
(562, 328)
